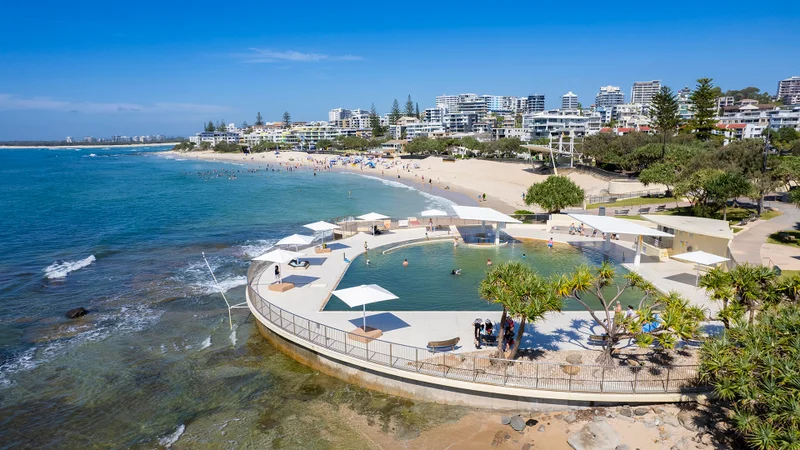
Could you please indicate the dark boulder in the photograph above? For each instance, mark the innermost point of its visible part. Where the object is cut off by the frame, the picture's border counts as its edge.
(76, 312)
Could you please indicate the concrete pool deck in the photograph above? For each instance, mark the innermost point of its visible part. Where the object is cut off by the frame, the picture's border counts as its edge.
(559, 331)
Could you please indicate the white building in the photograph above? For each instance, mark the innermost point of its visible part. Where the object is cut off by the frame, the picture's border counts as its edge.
(459, 122)
(504, 133)
(789, 90)
(338, 114)
(759, 117)
(609, 96)
(434, 115)
(423, 129)
(214, 137)
(569, 101)
(643, 91)
(69, 139)
(448, 102)
(685, 110)
(542, 124)
(360, 120)
(534, 104)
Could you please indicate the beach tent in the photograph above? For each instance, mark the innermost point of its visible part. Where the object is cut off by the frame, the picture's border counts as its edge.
(278, 257)
(433, 213)
(702, 259)
(373, 217)
(362, 296)
(296, 240)
(321, 226)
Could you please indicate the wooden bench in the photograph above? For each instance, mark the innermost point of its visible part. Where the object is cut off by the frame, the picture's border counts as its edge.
(443, 346)
(661, 208)
(621, 212)
(596, 339)
(644, 210)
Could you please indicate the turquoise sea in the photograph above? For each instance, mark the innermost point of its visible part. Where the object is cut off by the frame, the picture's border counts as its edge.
(154, 364)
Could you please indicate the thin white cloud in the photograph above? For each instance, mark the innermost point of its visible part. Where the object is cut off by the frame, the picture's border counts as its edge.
(13, 102)
(259, 55)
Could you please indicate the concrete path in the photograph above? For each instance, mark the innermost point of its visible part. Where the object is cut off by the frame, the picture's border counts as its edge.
(749, 245)
(559, 331)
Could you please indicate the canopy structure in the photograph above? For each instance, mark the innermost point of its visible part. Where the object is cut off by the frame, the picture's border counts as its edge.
(321, 226)
(485, 215)
(373, 217)
(701, 258)
(434, 213)
(612, 225)
(362, 296)
(279, 257)
(296, 240)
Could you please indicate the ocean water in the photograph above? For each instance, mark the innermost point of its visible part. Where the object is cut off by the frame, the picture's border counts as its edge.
(120, 232)
(427, 284)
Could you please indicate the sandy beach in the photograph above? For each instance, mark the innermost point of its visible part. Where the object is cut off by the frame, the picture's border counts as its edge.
(502, 182)
(11, 147)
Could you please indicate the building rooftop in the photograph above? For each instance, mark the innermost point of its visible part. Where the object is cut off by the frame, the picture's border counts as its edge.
(696, 225)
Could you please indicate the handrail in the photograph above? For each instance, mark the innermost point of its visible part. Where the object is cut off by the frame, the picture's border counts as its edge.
(561, 377)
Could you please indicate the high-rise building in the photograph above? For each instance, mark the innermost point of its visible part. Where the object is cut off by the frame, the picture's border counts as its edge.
(535, 103)
(569, 101)
(789, 90)
(685, 110)
(338, 114)
(449, 102)
(609, 96)
(643, 91)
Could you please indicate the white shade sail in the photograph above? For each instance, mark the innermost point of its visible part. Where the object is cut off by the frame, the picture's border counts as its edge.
(482, 214)
(701, 257)
(363, 295)
(279, 256)
(321, 226)
(433, 213)
(613, 225)
(296, 239)
(373, 216)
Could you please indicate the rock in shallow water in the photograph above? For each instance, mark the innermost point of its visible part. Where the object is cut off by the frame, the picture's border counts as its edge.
(518, 423)
(76, 312)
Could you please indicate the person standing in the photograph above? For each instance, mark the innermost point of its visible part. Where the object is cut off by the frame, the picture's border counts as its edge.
(277, 272)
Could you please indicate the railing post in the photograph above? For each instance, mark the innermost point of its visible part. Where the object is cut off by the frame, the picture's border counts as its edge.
(474, 368)
(294, 327)
(416, 359)
(635, 379)
(325, 330)
(602, 378)
(666, 386)
(444, 365)
(537, 375)
(391, 364)
(366, 344)
(505, 372)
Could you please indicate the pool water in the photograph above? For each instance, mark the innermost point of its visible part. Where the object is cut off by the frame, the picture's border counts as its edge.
(428, 285)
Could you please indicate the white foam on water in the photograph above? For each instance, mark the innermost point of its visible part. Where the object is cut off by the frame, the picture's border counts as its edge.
(257, 247)
(197, 277)
(60, 270)
(233, 335)
(432, 200)
(170, 439)
(205, 344)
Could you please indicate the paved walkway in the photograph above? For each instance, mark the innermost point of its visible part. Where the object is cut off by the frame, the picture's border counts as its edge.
(749, 245)
(559, 331)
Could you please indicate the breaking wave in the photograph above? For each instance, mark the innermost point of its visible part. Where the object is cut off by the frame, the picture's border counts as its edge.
(170, 439)
(432, 200)
(60, 270)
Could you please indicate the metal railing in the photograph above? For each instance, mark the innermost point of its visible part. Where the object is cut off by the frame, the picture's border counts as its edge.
(561, 377)
(610, 198)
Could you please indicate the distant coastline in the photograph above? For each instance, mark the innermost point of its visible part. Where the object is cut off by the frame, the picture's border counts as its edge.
(88, 145)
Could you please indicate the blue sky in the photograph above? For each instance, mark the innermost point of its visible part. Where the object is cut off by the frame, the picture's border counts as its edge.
(95, 68)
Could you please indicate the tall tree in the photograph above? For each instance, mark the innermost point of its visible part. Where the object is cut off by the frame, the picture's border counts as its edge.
(210, 126)
(664, 115)
(498, 287)
(409, 112)
(244, 125)
(375, 122)
(259, 119)
(554, 194)
(704, 105)
(221, 125)
(395, 113)
(287, 119)
(416, 109)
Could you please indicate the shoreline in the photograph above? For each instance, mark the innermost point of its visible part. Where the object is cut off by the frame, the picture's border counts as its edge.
(55, 147)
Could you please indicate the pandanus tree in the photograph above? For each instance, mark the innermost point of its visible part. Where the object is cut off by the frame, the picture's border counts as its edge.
(676, 320)
(747, 289)
(524, 295)
(755, 369)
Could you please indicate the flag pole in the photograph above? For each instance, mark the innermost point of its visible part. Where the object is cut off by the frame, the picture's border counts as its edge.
(230, 318)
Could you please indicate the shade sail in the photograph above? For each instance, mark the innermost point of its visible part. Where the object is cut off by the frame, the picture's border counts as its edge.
(296, 239)
(613, 225)
(701, 257)
(363, 295)
(279, 256)
(373, 216)
(482, 214)
(321, 226)
(433, 213)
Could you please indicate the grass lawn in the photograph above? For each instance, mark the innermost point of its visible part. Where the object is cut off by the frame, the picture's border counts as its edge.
(789, 238)
(735, 215)
(634, 217)
(789, 273)
(633, 201)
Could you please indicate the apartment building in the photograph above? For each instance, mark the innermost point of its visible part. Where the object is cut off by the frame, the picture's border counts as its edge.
(789, 91)
(569, 101)
(459, 122)
(542, 124)
(642, 92)
(609, 96)
(535, 104)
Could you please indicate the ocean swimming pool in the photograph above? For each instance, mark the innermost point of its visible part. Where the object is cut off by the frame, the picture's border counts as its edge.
(428, 285)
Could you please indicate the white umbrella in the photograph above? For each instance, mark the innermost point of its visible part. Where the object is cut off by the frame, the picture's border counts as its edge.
(700, 258)
(372, 217)
(362, 295)
(296, 239)
(279, 257)
(321, 226)
(433, 213)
